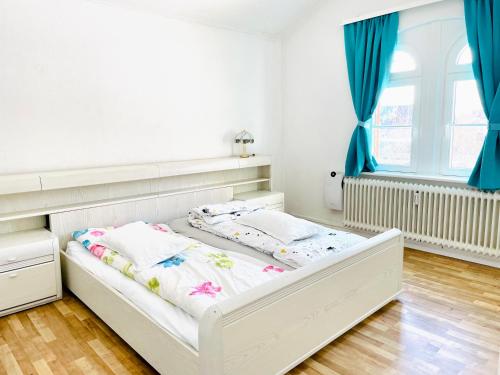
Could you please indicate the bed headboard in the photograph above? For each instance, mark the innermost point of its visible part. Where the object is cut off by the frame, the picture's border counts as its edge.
(155, 210)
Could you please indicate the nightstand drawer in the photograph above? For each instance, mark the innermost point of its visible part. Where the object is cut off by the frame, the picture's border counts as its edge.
(27, 285)
(26, 255)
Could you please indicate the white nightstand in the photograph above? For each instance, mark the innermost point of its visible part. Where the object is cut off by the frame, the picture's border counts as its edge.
(272, 200)
(30, 272)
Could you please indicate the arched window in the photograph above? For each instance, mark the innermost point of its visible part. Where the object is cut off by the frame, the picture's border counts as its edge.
(393, 119)
(466, 123)
(402, 61)
(429, 118)
(464, 56)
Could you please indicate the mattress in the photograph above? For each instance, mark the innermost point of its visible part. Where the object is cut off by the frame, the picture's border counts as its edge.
(182, 226)
(166, 315)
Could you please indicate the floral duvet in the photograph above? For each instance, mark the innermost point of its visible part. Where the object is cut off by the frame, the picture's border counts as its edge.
(196, 278)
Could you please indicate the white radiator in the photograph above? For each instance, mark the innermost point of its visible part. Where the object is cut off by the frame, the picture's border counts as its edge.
(453, 217)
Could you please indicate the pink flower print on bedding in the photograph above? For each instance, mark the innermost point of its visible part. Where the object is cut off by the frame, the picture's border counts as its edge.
(161, 228)
(88, 237)
(273, 268)
(206, 289)
(97, 250)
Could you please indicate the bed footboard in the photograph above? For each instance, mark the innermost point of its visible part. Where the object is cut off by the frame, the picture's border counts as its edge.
(272, 328)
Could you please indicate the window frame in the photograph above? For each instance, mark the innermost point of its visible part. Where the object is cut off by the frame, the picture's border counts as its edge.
(434, 77)
(405, 50)
(459, 53)
(454, 73)
(408, 78)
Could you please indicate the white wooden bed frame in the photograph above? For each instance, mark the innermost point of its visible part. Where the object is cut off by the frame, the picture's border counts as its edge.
(267, 330)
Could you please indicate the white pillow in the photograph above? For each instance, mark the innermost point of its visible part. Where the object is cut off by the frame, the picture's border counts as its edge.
(143, 245)
(284, 227)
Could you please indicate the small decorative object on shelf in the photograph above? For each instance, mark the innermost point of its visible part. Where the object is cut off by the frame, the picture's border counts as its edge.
(244, 138)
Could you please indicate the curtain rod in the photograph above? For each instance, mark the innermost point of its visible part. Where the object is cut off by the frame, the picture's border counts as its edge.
(398, 8)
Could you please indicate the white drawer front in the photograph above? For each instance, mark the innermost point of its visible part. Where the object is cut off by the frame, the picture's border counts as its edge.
(27, 285)
(25, 252)
(26, 263)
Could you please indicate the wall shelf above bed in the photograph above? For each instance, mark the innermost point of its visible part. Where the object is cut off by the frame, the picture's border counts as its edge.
(27, 199)
(53, 180)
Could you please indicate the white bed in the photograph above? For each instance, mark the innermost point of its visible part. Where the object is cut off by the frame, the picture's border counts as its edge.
(266, 330)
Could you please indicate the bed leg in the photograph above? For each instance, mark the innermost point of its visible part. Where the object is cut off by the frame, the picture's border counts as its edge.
(210, 344)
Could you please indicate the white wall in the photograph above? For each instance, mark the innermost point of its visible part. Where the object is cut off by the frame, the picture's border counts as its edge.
(318, 116)
(86, 83)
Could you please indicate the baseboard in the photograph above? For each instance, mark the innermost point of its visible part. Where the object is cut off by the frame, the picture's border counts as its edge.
(434, 249)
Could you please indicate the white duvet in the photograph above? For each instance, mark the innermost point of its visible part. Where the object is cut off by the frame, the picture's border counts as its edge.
(195, 279)
(296, 254)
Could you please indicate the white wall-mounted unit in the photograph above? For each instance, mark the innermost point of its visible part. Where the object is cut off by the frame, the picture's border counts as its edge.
(457, 218)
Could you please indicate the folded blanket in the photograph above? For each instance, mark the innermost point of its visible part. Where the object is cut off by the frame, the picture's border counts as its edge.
(295, 254)
(194, 279)
(218, 213)
(226, 208)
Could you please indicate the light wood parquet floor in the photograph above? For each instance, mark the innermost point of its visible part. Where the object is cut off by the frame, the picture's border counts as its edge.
(447, 321)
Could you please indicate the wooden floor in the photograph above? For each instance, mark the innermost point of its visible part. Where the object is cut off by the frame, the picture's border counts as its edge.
(447, 321)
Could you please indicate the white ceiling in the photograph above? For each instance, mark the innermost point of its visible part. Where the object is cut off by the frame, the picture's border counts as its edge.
(259, 16)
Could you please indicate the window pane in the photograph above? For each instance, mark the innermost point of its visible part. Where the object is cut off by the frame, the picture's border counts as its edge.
(392, 146)
(402, 62)
(464, 56)
(466, 142)
(467, 104)
(395, 107)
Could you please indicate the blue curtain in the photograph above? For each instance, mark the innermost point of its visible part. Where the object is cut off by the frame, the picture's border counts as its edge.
(482, 18)
(369, 46)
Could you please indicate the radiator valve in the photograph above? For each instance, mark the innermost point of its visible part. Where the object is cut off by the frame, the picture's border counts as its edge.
(416, 198)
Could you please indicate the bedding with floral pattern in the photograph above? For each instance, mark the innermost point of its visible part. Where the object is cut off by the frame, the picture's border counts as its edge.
(194, 279)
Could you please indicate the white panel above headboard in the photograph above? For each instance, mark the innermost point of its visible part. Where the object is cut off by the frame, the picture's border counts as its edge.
(154, 210)
(53, 180)
(48, 193)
